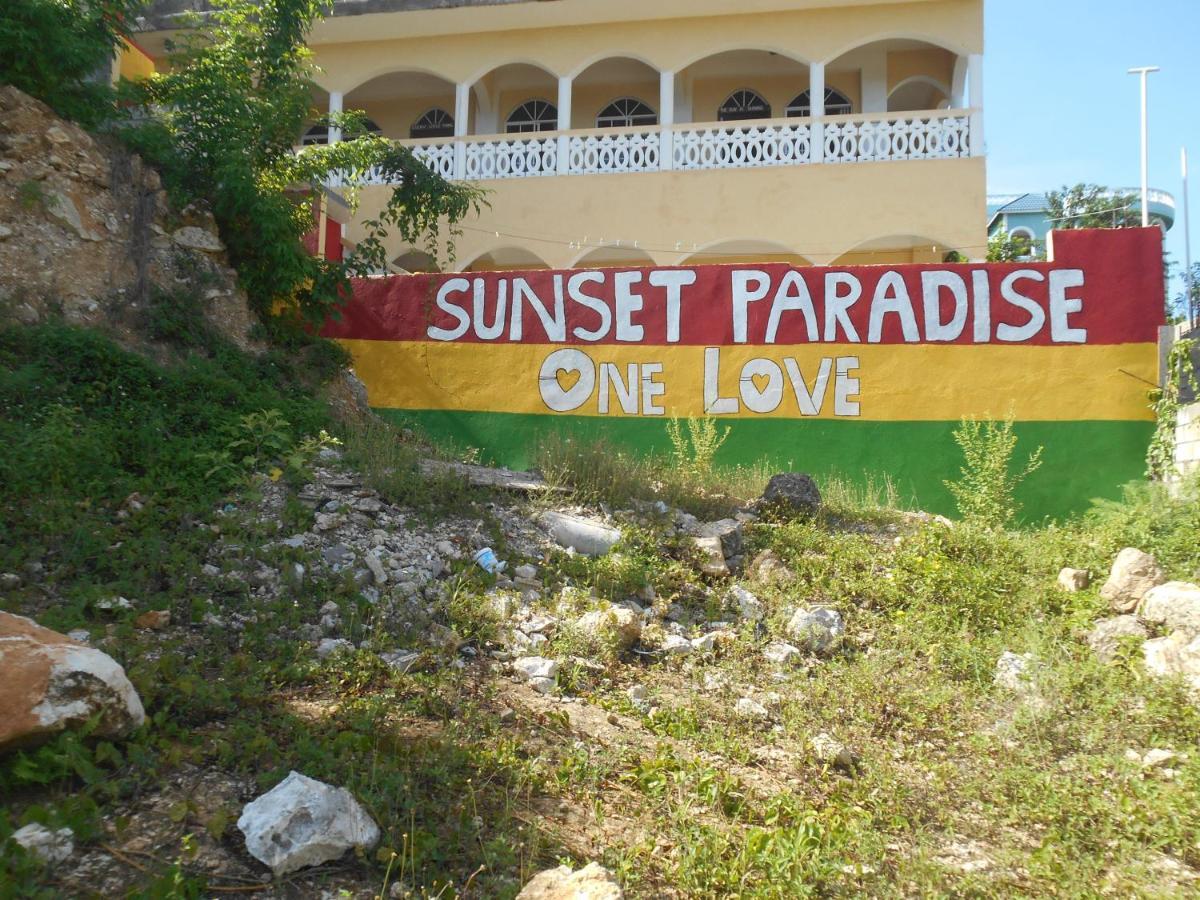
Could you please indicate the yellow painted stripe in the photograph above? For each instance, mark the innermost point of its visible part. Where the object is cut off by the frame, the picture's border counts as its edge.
(896, 383)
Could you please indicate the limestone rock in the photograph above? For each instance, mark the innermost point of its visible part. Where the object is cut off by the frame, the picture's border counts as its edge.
(1106, 637)
(748, 708)
(194, 238)
(51, 847)
(1174, 656)
(794, 492)
(768, 568)
(712, 558)
(816, 630)
(674, 645)
(1014, 671)
(749, 607)
(1074, 580)
(832, 752)
(616, 626)
(782, 653)
(1175, 604)
(728, 532)
(592, 882)
(401, 661)
(536, 667)
(1133, 574)
(304, 822)
(586, 536)
(326, 647)
(52, 683)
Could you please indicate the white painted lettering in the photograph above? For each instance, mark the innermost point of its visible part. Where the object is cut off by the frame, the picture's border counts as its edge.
(714, 403)
(627, 304)
(837, 305)
(453, 286)
(891, 296)
(595, 304)
(1037, 315)
(744, 295)
(792, 294)
(845, 388)
(674, 280)
(1062, 306)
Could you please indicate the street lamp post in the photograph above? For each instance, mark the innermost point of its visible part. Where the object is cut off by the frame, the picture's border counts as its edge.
(1144, 71)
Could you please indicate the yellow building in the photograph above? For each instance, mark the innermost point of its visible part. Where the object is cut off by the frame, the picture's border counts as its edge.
(613, 132)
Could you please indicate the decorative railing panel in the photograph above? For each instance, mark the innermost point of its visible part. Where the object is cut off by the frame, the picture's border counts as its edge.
(439, 158)
(727, 145)
(518, 157)
(599, 154)
(915, 137)
(741, 147)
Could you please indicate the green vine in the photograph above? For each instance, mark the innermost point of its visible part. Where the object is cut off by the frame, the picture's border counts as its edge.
(1160, 458)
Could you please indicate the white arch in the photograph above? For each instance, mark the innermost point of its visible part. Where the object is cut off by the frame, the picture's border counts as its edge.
(921, 79)
(602, 57)
(631, 252)
(879, 37)
(734, 48)
(383, 70)
(487, 70)
(499, 248)
(747, 247)
(879, 243)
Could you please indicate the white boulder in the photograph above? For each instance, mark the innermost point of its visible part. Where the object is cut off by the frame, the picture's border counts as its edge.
(592, 882)
(817, 629)
(51, 847)
(1133, 574)
(1175, 604)
(51, 683)
(304, 822)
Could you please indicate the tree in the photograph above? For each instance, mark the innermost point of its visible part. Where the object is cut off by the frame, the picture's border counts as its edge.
(1004, 246)
(1184, 306)
(1091, 206)
(222, 123)
(61, 52)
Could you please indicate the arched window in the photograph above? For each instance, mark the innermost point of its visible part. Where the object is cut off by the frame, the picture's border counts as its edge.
(319, 134)
(628, 112)
(435, 123)
(533, 115)
(836, 104)
(744, 104)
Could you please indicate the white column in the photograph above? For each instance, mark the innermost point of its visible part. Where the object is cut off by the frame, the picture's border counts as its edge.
(816, 111)
(564, 124)
(462, 121)
(975, 82)
(874, 82)
(335, 106)
(666, 118)
(958, 89)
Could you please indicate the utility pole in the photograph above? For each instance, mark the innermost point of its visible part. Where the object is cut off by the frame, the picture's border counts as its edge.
(1193, 303)
(1144, 71)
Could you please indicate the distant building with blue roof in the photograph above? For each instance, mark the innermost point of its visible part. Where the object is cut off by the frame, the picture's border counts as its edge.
(1028, 215)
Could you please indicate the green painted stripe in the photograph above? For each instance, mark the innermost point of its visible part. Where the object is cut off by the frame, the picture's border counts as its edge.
(1081, 460)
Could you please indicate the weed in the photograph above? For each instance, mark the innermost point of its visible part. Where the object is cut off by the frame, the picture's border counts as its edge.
(984, 491)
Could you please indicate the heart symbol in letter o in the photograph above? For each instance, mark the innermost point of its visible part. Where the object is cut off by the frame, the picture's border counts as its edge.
(567, 378)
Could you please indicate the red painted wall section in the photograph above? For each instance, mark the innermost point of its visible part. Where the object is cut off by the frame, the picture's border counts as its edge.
(1115, 276)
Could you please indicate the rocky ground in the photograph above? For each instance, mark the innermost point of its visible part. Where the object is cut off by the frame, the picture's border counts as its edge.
(687, 708)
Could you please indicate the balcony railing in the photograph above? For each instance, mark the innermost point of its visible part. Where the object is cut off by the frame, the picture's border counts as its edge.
(727, 145)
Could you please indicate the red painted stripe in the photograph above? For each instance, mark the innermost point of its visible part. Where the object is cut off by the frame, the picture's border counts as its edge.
(1122, 298)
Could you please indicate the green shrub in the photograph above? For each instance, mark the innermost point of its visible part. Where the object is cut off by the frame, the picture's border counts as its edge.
(984, 491)
(221, 124)
(61, 51)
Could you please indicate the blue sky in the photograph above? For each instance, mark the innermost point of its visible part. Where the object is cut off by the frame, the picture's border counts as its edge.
(1059, 107)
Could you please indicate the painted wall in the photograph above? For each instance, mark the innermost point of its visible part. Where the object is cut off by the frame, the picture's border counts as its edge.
(818, 212)
(860, 371)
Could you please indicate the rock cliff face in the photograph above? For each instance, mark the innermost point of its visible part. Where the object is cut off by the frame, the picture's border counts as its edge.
(86, 232)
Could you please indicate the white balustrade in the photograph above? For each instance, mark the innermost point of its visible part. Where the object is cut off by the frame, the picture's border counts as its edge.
(599, 154)
(728, 145)
(518, 157)
(734, 146)
(897, 137)
(439, 158)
